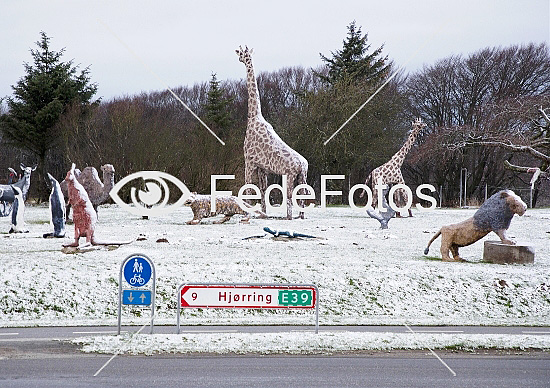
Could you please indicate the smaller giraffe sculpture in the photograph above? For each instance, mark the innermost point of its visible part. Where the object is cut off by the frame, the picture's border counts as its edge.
(264, 151)
(390, 172)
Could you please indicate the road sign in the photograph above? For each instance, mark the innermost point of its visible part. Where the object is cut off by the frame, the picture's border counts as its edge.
(137, 270)
(248, 296)
(139, 275)
(136, 297)
(296, 298)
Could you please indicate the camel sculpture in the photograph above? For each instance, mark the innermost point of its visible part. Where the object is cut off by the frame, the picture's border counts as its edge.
(98, 191)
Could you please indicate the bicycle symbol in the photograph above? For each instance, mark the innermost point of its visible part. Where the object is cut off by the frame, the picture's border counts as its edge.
(137, 279)
(137, 271)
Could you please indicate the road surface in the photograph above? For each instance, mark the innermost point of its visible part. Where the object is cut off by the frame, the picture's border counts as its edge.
(31, 357)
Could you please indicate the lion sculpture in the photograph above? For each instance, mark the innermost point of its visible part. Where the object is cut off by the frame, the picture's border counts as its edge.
(494, 215)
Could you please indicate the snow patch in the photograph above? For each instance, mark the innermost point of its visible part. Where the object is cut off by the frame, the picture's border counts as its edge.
(302, 342)
(364, 275)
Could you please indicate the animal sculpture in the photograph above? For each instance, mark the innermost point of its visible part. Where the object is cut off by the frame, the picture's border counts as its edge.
(495, 215)
(264, 151)
(7, 193)
(57, 210)
(18, 213)
(385, 216)
(84, 215)
(286, 233)
(97, 190)
(11, 176)
(390, 172)
(226, 205)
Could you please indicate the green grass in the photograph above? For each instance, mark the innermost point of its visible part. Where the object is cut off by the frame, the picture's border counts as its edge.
(430, 258)
(37, 222)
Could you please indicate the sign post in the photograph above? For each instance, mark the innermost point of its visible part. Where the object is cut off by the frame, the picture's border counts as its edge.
(249, 296)
(137, 272)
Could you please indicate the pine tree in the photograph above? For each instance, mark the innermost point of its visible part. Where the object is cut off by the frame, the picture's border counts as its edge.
(353, 62)
(217, 107)
(48, 89)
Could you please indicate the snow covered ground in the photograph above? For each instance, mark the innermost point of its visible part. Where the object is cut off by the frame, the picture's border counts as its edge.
(364, 275)
(304, 343)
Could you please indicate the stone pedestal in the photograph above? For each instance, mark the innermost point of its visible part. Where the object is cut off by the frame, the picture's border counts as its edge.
(498, 253)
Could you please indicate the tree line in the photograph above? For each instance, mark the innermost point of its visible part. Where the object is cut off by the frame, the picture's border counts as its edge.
(495, 92)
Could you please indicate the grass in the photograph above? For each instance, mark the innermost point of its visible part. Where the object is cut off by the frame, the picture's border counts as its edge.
(429, 258)
(37, 222)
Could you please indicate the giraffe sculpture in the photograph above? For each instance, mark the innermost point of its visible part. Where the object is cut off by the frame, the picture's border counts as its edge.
(264, 151)
(390, 172)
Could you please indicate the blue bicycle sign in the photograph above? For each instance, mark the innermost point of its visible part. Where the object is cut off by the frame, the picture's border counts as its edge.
(137, 271)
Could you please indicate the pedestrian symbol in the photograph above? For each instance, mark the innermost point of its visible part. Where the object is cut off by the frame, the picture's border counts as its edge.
(138, 267)
(137, 271)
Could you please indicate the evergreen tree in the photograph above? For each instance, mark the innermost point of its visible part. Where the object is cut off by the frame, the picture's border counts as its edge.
(48, 89)
(217, 107)
(353, 62)
(348, 79)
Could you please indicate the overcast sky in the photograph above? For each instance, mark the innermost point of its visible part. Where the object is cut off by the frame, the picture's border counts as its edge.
(184, 42)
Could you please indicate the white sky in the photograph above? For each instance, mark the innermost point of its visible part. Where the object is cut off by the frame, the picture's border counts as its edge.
(183, 42)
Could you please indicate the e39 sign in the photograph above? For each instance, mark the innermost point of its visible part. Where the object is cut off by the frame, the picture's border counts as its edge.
(248, 296)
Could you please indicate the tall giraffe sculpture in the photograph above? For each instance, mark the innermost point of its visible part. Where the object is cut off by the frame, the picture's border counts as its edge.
(264, 151)
(390, 172)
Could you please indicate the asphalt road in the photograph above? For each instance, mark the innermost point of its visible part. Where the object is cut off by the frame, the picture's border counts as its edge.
(69, 332)
(31, 358)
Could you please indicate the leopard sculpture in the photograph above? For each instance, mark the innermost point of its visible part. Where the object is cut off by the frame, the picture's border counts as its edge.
(227, 205)
(494, 215)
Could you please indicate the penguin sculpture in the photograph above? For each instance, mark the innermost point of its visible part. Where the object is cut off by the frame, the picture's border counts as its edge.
(18, 212)
(57, 209)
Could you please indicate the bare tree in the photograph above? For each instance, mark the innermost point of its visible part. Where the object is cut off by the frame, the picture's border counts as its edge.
(478, 97)
(527, 136)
